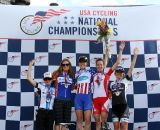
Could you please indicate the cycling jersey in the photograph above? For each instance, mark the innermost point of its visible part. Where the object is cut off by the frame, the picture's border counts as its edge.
(84, 79)
(120, 110)
(100, 84)
(118, 89)
(83, 98)
(63, 85)
(100, 91)
(47, 95)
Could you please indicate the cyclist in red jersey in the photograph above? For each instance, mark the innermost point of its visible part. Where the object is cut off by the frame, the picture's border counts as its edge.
(100, 87)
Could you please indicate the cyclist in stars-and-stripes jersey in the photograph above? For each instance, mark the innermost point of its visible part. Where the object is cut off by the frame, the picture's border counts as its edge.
(83, 98)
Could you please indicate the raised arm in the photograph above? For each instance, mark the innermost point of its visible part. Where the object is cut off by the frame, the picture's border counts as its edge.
(106, 57)
(121, 47)
(136, 51)
(29, 73)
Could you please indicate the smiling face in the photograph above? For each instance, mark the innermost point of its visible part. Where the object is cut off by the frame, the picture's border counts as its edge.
(65, 66)
(100, 66)
(47, 81)
(82, 65)
(119, 75)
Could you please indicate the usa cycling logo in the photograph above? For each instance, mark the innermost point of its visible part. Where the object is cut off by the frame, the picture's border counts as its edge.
(32, 24)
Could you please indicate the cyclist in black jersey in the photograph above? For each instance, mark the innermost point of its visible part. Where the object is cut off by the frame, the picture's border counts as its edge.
(120, 109)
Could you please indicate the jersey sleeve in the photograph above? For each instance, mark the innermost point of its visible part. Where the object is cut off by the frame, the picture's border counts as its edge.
(54, 92)
(126, 80)
(92, 71)
(39, 86)
(127, 77)
(110, 71)
(76, 77)
(36, 85)
(53, 84)
(38, 90)
(109, 85)
(74, 81)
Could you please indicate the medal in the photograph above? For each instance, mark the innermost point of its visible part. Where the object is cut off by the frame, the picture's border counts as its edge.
(66, 80)
(66, 85)
(99, 78)
(118, 85)
(117, 93)
(48, 96)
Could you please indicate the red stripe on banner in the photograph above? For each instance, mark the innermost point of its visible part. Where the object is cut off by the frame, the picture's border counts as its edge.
(50, 13)
(38, 19)
(56, 12)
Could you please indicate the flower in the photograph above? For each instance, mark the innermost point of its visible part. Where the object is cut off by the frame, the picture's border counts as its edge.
(104, 33)
(103, 30)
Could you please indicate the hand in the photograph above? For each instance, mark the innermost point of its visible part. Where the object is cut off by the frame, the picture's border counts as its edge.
(122, 45)
(32, 62)
(136, 51)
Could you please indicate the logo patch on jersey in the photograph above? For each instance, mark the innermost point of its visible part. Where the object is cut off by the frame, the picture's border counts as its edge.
(81, 78)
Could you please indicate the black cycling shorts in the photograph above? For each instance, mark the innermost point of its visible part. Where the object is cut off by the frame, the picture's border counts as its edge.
(62, 110)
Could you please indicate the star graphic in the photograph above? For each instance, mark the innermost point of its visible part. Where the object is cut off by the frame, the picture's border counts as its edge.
(65, 22)
(72, 22)
(58, 22)
(65, 17)
(72, 17)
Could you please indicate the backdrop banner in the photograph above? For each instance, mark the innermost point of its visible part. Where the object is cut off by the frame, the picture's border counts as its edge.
(49, 34)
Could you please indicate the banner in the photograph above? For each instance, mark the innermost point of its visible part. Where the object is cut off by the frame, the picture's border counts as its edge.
(49, 34)
(128, 23)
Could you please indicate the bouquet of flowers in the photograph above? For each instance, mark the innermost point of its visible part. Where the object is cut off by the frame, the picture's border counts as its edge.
(104, 33)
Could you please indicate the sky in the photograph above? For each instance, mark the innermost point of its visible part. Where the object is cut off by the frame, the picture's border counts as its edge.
(93, 2)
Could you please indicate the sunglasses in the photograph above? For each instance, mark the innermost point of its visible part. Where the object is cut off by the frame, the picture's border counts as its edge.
(45, 79)
(65, 64)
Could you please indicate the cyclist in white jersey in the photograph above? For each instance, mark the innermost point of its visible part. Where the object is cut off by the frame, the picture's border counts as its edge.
(100, 89)
(44, 117)
(120, 110)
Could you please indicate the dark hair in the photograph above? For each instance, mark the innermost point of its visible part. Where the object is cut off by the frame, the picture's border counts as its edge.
(83, 59)
(60, 69)
(119, 69)
(99, 59)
